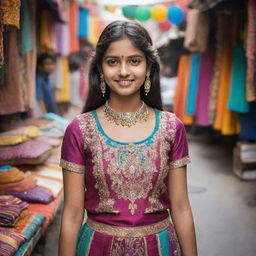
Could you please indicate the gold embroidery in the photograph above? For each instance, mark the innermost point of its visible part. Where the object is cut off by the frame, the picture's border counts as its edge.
(168, 130)
(138, 231)
(179, 163)
(90, 136)
(128, 246)
(72, 167)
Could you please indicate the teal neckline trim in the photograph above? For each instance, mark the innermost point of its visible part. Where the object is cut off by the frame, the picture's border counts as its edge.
(95, 115)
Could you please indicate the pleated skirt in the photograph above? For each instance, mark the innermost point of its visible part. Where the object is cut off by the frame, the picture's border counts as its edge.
(94, 243)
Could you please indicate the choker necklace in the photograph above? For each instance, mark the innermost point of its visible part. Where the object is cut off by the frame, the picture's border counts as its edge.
(126, 118)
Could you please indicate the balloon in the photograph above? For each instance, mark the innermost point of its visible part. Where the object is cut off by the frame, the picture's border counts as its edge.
(175, 15)
(129, 11)
(142, 13)
(159, 12)
(165, 25)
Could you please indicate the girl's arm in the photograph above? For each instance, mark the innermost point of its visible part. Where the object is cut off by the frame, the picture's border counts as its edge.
(181, 211)
(73, 212)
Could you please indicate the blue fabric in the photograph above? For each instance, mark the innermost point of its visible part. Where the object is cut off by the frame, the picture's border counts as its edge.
(84, 238)
(5, 168)
(248, 124)
(193, 83)
(237, 96)
(25, 31)
(45, 92)
(83, 30)
(163, 236)
(62, 122)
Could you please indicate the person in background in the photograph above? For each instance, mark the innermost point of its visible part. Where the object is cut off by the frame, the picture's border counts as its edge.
(44, 87)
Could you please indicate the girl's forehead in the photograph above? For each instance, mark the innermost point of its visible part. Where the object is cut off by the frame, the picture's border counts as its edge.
(123, 47)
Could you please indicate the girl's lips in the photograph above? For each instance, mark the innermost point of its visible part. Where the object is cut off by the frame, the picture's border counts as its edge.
(125, 82)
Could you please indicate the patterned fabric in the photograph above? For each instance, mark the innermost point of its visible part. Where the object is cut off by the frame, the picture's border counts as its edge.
(34, 195)
(29, 182)
(24, 153)
(127, 180)
(28, 225)
(91, 242)
(10, 209)
(11, 175)
(11, 10)
(9, 242)
(1, 37)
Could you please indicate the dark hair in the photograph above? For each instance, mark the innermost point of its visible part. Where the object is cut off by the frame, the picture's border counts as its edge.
(141, 40)
(42, 57)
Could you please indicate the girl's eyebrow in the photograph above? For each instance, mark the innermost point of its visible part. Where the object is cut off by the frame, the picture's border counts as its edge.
(131, 56)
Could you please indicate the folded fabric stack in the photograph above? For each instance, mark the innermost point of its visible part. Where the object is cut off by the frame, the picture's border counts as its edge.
(24, 186)
(9, 242)
(11, 210)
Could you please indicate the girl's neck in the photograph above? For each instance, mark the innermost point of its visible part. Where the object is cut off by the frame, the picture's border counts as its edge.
(125, 104)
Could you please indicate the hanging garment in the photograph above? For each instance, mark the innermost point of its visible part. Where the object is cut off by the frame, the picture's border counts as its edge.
(83, 83)
(11, 94)
(180, 98)
(248, 124)
(47, 32)
(237, 97)
(73, 27)
(193, 83)
(1, 38)
(197, 31)
(83, 23)
(26, 41)
(11, 12)
(251, 51)
(62, 39)
(226, 121)
(203, 92)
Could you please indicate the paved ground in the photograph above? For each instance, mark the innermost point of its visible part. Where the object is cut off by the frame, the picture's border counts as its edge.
(224, 207)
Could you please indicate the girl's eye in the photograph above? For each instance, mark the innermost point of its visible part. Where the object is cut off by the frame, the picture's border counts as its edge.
(135, 61)
(112, 62)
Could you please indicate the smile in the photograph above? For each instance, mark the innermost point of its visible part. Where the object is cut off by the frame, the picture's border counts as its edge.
(125, 83)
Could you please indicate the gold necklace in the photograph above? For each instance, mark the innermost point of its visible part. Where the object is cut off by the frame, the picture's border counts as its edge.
(126, 118)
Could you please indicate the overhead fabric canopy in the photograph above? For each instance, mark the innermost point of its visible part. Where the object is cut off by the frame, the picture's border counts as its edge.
(131, 2)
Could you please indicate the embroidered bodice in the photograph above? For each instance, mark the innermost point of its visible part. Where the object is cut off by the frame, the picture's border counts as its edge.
(126, 183)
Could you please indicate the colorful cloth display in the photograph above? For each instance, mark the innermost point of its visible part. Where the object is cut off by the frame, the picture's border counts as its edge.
(11, 11)
(32, 151)
(29, 182)
(10, 209)
(11, 175)
(8, 140)
(34, 195)
(30, 131)
(9, 242)
(73, 27)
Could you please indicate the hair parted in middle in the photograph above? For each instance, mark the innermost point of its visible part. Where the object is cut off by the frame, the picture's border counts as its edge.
(141, 39)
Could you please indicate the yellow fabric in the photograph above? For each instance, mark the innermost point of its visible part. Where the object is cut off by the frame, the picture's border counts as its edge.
(94, 31)
(10, 140)
(11, 176)
(180, 98)
(63, 94)
(11, 11)
(226, 121)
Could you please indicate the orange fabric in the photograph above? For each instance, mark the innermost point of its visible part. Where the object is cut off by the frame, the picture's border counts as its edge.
(11, 176)
(11, 10)
(73, 27)
(180, 98)
(226, 121)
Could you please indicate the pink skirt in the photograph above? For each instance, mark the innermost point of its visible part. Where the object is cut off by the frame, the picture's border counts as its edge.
(98, 239)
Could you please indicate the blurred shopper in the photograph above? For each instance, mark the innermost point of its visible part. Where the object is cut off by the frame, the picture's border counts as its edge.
(44, 88)
(124, 159)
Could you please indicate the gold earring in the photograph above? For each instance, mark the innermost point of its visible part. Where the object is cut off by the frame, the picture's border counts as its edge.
(147, 84)
(102, 85)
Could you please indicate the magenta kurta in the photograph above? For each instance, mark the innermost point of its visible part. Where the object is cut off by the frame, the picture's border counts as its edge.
(126, 183)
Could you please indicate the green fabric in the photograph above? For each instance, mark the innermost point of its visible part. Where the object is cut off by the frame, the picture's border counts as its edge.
(83, 241)
(163, 237)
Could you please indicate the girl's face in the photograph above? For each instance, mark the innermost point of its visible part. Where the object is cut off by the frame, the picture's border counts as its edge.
(124, 68)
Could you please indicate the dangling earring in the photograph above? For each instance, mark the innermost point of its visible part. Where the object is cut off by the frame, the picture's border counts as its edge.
(102, 85)
(147, 84)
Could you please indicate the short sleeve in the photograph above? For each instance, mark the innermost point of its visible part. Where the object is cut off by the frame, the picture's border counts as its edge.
(72, 150)
(179, 155)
